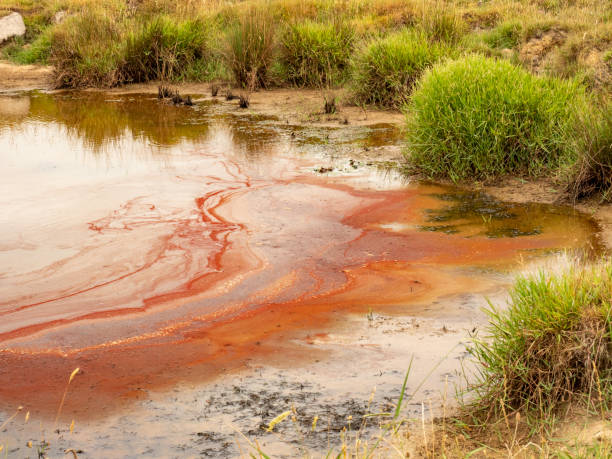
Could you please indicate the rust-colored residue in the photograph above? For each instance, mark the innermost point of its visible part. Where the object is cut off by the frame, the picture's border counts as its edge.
(144, 244)
(195, 294)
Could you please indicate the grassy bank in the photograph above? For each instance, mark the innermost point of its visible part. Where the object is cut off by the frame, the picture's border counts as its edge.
(305, 40)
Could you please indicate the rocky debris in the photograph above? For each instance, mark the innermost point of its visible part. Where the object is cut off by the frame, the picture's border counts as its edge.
(12, 26)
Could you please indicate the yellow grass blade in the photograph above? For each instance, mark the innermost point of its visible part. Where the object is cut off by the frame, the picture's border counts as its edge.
(277, 419)
(73, 374)
(314, 422)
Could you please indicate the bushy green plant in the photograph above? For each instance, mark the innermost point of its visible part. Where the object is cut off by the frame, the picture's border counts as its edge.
(315, 54)
(386, 69)
(37, 52)
(477, 117)
(553, 343)
(163, 48)
(251, 47)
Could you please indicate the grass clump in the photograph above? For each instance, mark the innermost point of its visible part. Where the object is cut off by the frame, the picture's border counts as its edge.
(442, 23)
(164, 49)
(315, 54)
(251, 47)
(551, 345)
(36, 52)
(592, 173)
(88, 50)
(386, 70)
(477, 117)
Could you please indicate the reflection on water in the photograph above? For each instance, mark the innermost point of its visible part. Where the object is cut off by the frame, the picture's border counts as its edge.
(478, 214)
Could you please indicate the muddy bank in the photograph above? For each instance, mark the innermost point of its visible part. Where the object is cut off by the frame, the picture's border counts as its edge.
(24, 77)
(291, 106)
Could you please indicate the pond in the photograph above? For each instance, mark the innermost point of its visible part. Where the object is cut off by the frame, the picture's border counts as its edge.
(206, 269)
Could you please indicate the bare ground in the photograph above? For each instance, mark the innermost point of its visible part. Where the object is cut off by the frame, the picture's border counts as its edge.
(23, 77)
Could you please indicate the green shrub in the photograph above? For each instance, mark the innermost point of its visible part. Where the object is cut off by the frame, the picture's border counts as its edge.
(251, 47)
(552, 343)
(477, 117)
(37, 52)
(163, 49)
(315, 54)
(386, 69)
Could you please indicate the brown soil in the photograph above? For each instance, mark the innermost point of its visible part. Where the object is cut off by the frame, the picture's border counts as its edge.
(24, 76)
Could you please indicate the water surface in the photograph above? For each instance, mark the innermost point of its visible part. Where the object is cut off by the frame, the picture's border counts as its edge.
(149, 244)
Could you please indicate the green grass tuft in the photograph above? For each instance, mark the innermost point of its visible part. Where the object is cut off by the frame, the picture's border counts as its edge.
(386, 69)
(551, 345)
(88, 50)
(477, 117)
(506, 35)
(592, 173)
(315, 54)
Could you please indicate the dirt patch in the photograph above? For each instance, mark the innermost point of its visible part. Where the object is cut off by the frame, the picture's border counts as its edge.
(535, 50)
(24, 77)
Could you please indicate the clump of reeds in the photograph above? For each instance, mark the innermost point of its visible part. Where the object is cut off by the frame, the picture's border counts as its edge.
(553, 344)
(87, 50)
(592, 139)
(442, 22)
(162, 48)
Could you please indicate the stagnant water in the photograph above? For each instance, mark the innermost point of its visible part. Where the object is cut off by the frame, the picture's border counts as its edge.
(202, 272)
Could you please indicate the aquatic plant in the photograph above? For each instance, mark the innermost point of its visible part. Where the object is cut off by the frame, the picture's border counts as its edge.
(477, 117)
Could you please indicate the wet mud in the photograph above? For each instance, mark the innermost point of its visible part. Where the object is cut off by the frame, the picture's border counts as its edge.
(163, 249)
